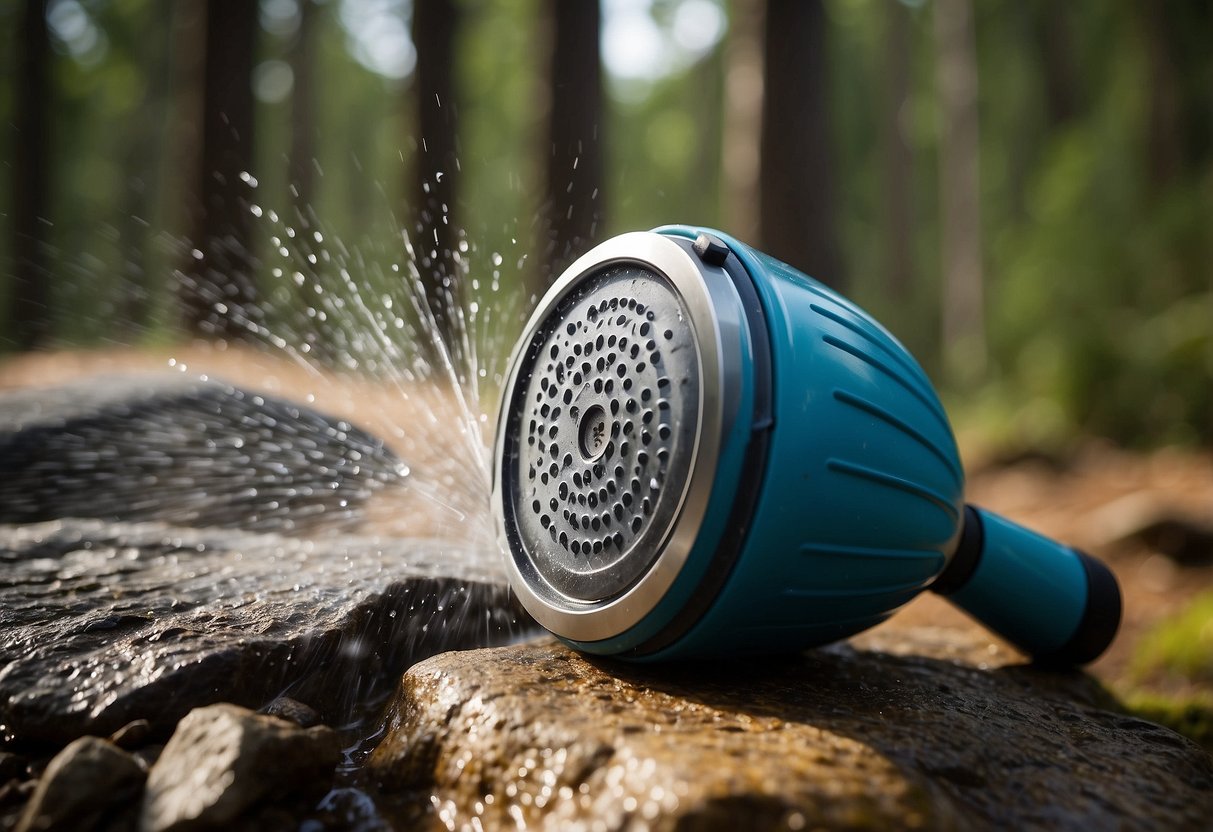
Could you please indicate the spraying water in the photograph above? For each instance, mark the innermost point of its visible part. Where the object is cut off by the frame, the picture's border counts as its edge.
(349, 433)
(360, 335)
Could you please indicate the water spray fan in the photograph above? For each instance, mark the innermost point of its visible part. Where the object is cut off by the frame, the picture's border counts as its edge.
(702, 451)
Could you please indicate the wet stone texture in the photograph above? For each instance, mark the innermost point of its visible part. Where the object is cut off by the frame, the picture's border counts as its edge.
(224, 762)
(930, 730)
(140, 578)
(89, 784)
(183, 451)
(105, 623)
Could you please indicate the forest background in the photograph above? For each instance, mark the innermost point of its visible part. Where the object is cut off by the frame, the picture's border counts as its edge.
(1021, 191)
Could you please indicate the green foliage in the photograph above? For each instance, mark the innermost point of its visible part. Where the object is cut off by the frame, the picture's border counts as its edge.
(1097, 253)
(1181, 647)
(1101, 303)
(1191, 716)
(1170, 678)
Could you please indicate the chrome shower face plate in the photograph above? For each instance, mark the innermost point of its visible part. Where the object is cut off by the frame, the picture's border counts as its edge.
(601, 432)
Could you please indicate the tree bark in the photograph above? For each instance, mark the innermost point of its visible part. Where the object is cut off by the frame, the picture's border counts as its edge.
(29, 323)
(1055, 44)
(897, 156)
(797, 177)
(575, 163)
(964, 340)
(143, 164)
(218, 290)
(742, 140)
(302, 163)
(436, 169)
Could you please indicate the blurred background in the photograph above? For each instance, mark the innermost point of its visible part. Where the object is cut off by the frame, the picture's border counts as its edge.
(1021, 191)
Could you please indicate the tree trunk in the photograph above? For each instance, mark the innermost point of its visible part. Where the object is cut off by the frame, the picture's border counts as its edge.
(436, 171)
(143, 164)
(1166, 125)
(574, 165)
(28, 324)
(302, 163)
(897, 156)
(797, 178)
(218, 295)
(964, 341)
(1055, 43)
(742, 139)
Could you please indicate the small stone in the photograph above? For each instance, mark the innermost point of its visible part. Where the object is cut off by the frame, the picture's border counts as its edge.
(223, 761)
(86, 781)
(132, 735)
(292, 710)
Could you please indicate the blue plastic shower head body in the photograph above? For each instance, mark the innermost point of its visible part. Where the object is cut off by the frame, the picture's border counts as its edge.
(810, 487)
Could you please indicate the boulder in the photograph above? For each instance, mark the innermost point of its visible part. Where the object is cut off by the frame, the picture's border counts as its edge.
(917, 728)
(224, 763)
(102, 624)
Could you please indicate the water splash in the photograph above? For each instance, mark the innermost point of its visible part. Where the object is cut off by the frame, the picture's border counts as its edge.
(414, 356)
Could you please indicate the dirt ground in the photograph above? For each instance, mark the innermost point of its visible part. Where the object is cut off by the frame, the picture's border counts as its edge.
(1102, 499)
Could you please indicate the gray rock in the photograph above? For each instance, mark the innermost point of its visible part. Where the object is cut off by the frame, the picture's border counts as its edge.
(87, 781)
(913, 729)
(186, 452)
(292, 710)
(223, 761)
(105, 623)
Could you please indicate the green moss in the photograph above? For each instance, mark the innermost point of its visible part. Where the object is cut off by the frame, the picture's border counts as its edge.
(1191, 716)
(1181, 646)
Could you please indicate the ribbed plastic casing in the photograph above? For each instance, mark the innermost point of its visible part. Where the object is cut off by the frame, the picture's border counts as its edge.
(863, 497)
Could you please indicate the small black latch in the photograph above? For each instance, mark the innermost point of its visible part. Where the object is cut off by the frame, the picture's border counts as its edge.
(711, 250)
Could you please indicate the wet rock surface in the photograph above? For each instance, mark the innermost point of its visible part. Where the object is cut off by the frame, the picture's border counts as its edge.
(89, 784)
(929, 728)
(151, 562)
(102, 624)
(224, 763)
(183, 451)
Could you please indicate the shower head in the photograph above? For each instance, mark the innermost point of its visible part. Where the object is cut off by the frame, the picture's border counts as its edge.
(701, 451)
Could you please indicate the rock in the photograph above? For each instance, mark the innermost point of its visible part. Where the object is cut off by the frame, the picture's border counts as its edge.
(132, 735)
(292, 710)
(923, 728)
(105, 623)
(85, 782)
(186, 452)
(222, 761)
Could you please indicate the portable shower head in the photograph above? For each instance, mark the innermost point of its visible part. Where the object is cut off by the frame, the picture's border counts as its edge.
(703, 451)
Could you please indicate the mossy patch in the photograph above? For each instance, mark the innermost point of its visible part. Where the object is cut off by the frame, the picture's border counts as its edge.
(1191, 716)
(1176, 655)
(1180, 647)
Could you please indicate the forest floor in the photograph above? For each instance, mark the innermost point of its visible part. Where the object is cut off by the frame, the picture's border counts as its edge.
(1149, 515)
